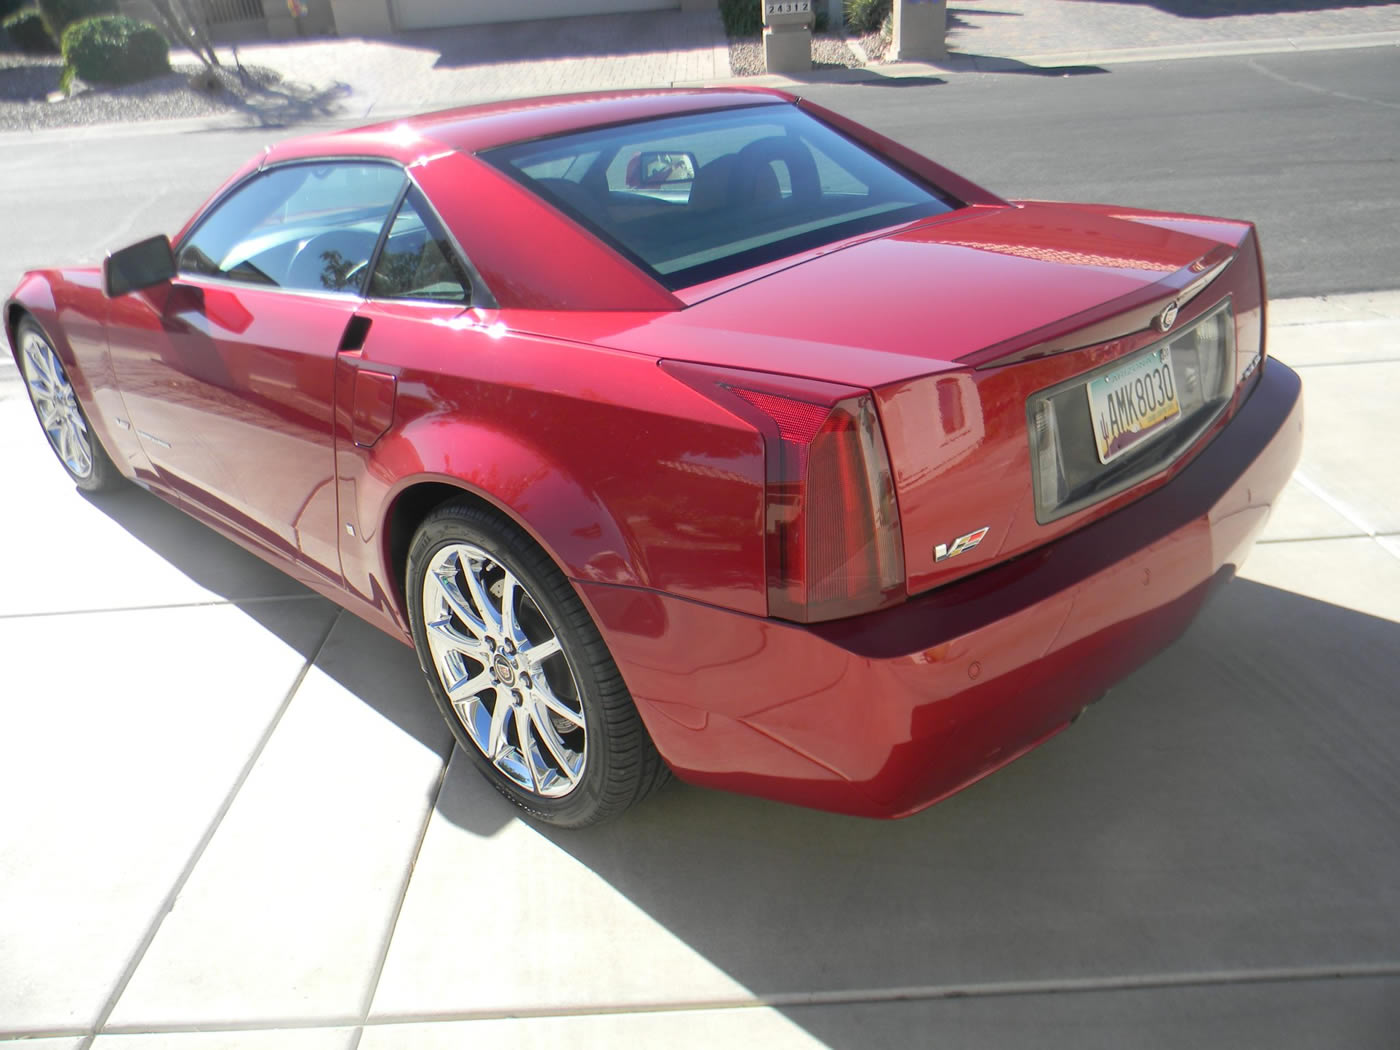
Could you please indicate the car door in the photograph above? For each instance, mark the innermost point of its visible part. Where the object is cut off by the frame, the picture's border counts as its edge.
(423, 299)
(229, 373)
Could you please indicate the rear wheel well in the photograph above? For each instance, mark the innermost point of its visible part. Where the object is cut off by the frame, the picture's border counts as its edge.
(410, 508)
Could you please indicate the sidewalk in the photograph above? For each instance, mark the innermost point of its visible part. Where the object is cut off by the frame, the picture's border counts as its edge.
(232, 819)
(432, 69)
(1053, 32)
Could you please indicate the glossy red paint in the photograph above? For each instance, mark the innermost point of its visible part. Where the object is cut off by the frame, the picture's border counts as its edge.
(554, 436)
(504, 227)
(231, 392)
(71, 307)
(318, 429)
(885, 714)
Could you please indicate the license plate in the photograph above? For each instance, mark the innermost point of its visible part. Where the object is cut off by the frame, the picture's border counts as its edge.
(1133, 403)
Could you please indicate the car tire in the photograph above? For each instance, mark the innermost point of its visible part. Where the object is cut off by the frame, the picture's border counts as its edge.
(520, 672)
(56, 406)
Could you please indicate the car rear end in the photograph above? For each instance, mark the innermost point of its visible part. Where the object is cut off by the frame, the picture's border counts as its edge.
(960, 561)
(1062, 425)
(1009, 449)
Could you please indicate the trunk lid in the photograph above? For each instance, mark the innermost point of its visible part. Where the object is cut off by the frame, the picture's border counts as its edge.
(954, 324)
(986, 278)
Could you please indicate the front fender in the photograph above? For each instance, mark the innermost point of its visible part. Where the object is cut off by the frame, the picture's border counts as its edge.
(34, 295)
(74, 312)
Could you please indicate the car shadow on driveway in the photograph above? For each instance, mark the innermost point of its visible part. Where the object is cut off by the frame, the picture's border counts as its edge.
(1231, 810)
(381, 672)
(1219, 839)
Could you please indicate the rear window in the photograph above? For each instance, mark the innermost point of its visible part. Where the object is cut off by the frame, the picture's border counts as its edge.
(705, 195)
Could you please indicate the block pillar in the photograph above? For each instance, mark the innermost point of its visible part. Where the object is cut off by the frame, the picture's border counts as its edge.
(919, 30)
(787, 35)
(362, 17)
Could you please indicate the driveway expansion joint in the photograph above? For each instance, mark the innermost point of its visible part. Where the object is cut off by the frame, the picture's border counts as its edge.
(797, 1000)
(1351, 514)
(216, 603)
(373, 986)
(171, 898)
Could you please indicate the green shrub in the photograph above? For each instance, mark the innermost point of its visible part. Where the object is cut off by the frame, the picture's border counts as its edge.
(866, 16)
(9, 7)
(58, 15)
(741, 17)
(114, 49)
(27, 33)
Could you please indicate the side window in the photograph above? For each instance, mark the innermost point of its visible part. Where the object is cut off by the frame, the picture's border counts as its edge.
(309, 227)
(418, 261)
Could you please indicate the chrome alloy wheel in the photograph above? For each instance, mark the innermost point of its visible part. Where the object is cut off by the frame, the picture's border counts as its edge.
(56, 404)
(503, 669)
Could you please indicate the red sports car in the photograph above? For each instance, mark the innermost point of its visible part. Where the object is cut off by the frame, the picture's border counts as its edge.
(692, 431)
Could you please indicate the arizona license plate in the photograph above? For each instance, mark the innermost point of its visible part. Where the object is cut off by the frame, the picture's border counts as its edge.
(1133, 403)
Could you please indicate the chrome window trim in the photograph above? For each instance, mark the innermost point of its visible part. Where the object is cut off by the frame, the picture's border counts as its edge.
(225, 282)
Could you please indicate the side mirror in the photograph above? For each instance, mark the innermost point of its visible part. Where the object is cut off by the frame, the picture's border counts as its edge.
(142, 265)
(654, 169)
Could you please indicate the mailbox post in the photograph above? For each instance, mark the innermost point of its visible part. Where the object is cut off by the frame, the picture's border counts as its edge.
(787, 35)
(919, 29)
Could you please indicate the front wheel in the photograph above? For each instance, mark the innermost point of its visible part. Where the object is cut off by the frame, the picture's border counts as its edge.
(521, 673)
(56, 405)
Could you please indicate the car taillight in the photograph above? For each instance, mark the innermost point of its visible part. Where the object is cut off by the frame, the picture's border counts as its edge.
(834, 546)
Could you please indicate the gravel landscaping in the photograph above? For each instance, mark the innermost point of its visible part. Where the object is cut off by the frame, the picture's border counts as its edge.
(28, 82)
(829, 51)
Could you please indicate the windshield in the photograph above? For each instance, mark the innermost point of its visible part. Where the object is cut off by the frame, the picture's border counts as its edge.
(701, 196)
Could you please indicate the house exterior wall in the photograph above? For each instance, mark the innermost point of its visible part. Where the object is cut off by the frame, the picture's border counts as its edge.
(434, 14)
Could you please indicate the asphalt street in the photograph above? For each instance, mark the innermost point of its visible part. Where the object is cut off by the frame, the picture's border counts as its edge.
(232, 818)
(1305, 145)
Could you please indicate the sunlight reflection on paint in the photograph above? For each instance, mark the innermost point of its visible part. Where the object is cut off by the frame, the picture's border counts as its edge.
(473, 320)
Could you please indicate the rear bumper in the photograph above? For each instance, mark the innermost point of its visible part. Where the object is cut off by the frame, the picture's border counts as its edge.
(882, 715)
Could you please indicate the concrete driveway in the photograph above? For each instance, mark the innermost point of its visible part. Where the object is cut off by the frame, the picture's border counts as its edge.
(231, 817)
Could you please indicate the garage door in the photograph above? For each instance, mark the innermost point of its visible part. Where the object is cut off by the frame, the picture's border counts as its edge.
(432, 14)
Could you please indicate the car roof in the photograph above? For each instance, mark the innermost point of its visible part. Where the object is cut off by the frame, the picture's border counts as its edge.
(487, 125)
